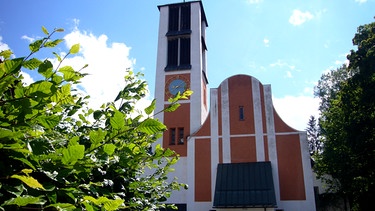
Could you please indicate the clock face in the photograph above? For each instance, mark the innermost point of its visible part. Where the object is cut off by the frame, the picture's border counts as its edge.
(177, 85)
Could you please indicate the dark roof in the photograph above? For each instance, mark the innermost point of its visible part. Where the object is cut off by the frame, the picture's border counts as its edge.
(244, 185)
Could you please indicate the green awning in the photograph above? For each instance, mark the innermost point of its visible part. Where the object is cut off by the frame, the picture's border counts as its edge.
(244, 185)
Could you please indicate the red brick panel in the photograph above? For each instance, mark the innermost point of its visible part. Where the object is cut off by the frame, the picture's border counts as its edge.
(202, 170)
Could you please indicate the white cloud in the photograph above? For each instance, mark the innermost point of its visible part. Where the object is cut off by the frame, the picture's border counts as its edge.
(289, 74)
(296, 111)
(29, 39)
(27, 80)
(298, 17)
(361, 1)
(3, 46)
(281, 63)
(107, 65)
(254, 1)
(266, 42)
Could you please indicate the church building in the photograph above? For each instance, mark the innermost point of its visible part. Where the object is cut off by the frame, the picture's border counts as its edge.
(236, 153)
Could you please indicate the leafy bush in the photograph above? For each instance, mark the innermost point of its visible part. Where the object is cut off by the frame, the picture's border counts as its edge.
(57, 154)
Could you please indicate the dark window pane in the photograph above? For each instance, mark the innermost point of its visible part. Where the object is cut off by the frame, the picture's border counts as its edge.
(242, 115)
(173, 136)
(185, 51)
(181, 135)
(185, 17)
(173, 18)
(172, 52)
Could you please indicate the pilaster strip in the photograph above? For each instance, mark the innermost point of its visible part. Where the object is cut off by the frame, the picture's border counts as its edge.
(225, 121)
(258, 121)
(271, 136)
(214, 138)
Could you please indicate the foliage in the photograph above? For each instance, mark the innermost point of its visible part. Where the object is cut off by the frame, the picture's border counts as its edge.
(57, 154)
(329, 85)
(348, 125)
(313, 137)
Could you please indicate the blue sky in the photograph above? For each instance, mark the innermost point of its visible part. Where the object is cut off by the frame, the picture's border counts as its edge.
(287, 44)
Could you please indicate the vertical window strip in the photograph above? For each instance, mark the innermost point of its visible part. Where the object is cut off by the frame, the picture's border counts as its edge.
(173, 18)
(172, 52)
(241, 113)
(185, 17)
(172, 136)
(181, 135)
(185, 51)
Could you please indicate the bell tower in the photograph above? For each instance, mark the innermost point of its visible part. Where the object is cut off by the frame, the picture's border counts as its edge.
(181, 65)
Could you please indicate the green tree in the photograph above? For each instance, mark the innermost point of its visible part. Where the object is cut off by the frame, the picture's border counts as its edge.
(313, 137)
(348, 125)
(57, 154)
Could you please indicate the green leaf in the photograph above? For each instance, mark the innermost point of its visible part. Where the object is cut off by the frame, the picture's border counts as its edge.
(46, 69)
(16, 190)
(32, 63)
(113, 204)
(72, 154)
(6, 133)
(35, 46)
(92, 199)
(59, 30)
(70, 74)
(6, 54)
(62, 206)
(97, 114)
(39, 89)
(26, 171)
(45, 31)
(63, 96)
(74, 49)
(96, 137)
(172, 107)
(24, 200)
(57, 79)
(117, 121)
(25, 161)
(151, 107)
(49, 122)
(57, 56)
(28, 180)
(88, 206)
(109, 148)
(51, 44)
(151, 126)
(108, 203)
(74, 141)
(13, 65)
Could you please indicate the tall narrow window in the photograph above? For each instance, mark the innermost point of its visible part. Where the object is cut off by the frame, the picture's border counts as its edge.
(185, 51)
(185, 17)
(178, 35)
(174, 13)
(172, 53)
(178, 53)
(172, 136)
(241, 113)
(179, 19)
(181, 135)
